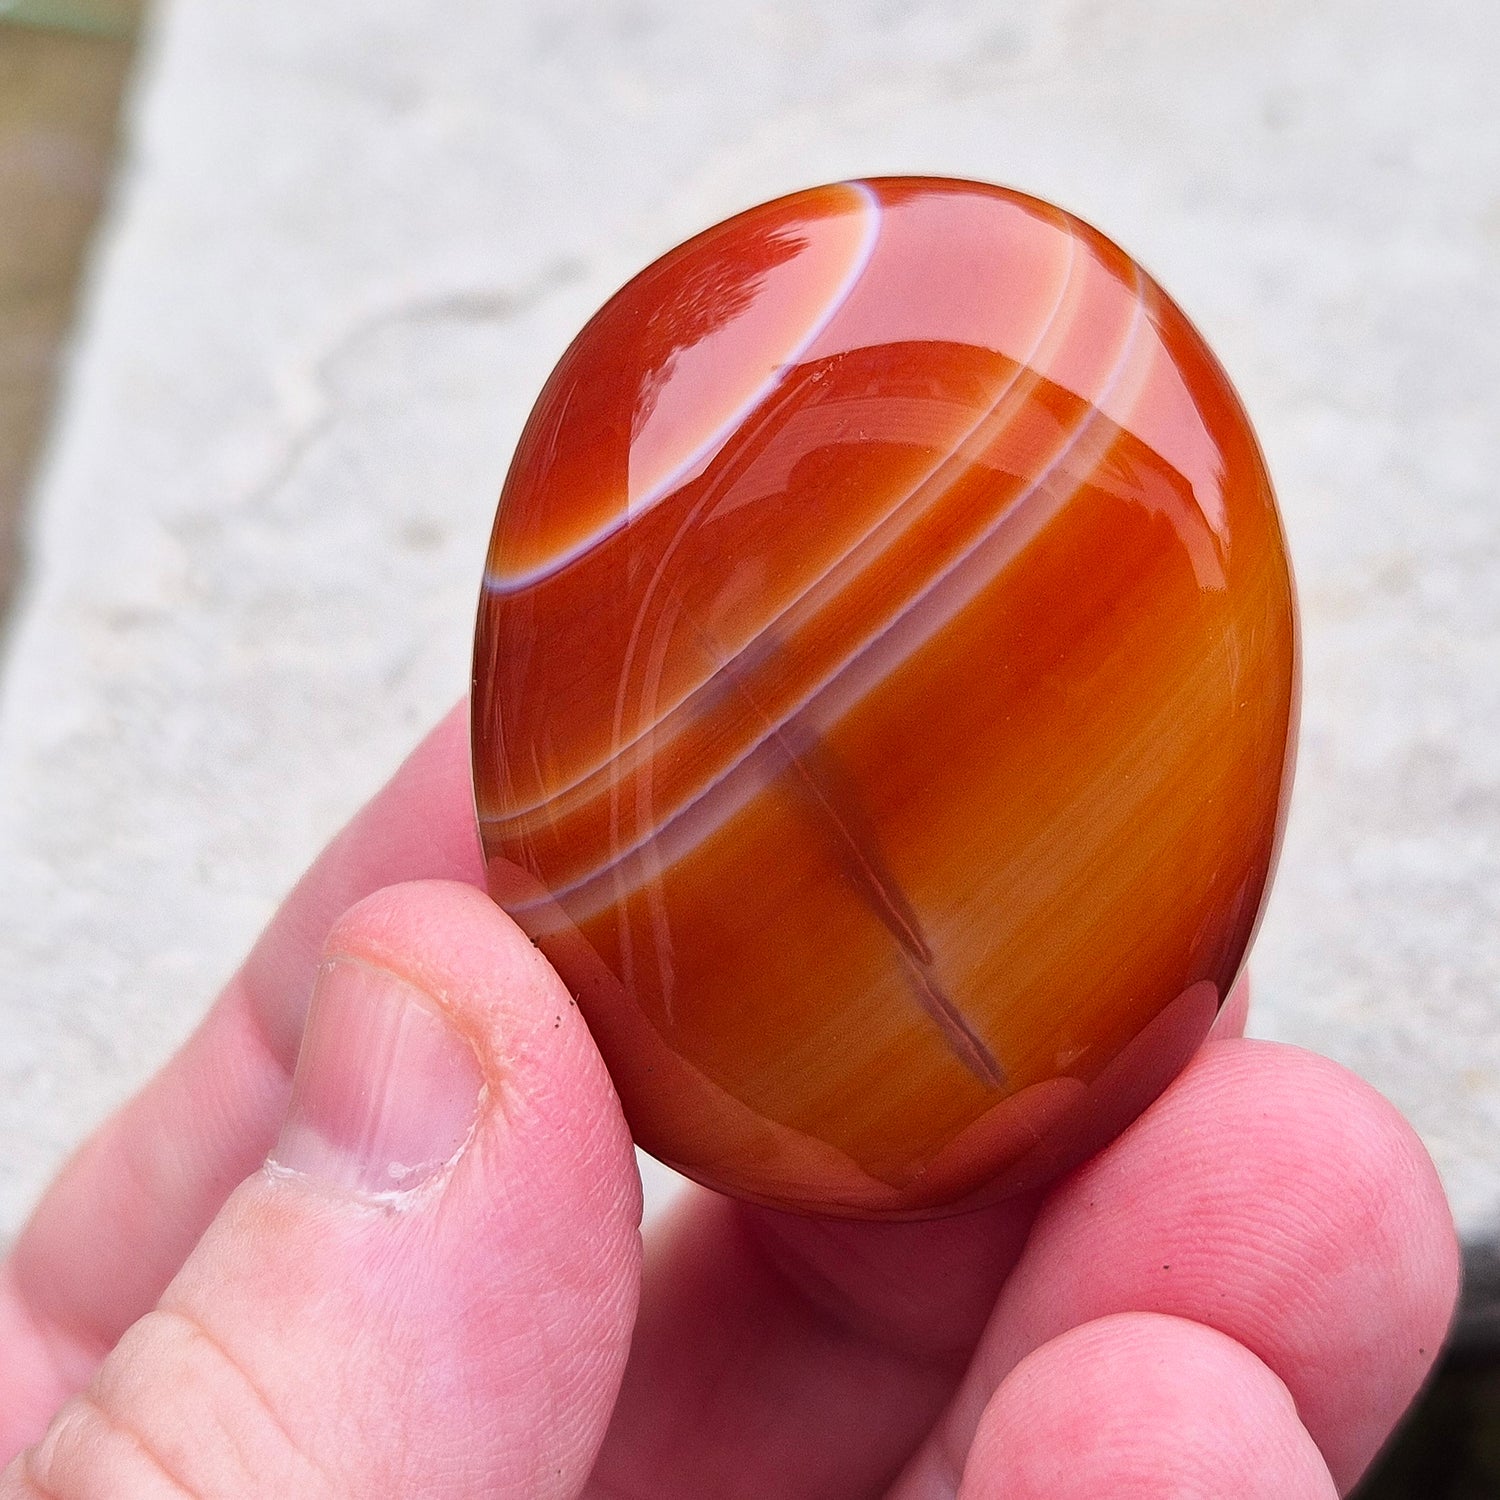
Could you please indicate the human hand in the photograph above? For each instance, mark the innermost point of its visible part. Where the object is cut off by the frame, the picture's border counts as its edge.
(1238, 1297)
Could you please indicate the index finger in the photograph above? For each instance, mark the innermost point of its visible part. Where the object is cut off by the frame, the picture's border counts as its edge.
(122, 1216)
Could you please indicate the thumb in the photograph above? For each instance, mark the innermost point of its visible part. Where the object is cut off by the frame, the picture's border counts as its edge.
(430, 1287)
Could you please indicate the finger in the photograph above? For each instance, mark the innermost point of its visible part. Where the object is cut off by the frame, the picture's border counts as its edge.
(1138, 1407)
(1270, 1195)
(126, 1210)
(777, 1355)
(430, 1288)
(802, 1357)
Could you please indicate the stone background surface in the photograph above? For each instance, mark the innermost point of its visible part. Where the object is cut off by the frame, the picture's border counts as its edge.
(348, 243)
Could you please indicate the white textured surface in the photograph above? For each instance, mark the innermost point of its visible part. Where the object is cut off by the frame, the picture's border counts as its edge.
(352, 238)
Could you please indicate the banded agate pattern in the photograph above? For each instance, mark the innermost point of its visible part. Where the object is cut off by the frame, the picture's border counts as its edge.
(884, 694)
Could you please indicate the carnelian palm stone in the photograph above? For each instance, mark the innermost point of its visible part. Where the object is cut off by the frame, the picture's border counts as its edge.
(885, 694)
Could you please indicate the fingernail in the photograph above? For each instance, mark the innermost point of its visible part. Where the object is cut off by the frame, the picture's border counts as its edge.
(386, 1092)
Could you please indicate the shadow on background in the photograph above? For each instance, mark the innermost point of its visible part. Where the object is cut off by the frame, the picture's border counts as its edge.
(1449, 1447)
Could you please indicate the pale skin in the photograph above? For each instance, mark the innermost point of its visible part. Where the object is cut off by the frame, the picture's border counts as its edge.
(1239, 1297)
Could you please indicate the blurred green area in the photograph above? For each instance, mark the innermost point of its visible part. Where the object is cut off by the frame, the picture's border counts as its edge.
(107, 18)
(63, 70)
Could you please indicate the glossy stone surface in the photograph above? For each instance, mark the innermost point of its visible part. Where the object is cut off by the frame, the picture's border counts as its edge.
(885, 693)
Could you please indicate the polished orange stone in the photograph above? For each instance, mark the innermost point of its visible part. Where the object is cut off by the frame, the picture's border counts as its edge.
(885, 694)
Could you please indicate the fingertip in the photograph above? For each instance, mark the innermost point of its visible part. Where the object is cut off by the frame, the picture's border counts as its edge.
(1276, 1196)
(1320, 1141)
(549, 1094)
(1138, 1406)
(388, 1089)
(456, 945)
